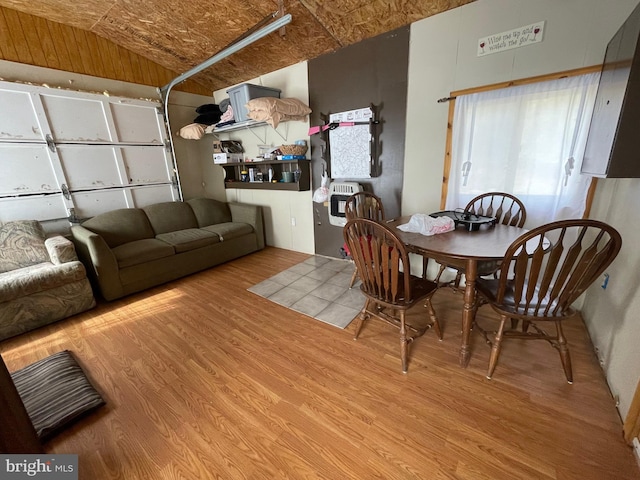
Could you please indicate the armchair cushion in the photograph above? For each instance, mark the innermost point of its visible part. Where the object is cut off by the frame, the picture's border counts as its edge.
(60, 249)
(39, 278)
(21, 245)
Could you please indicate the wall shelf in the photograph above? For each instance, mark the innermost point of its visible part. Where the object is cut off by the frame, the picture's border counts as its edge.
(232, 175)
(250, 125)
(238, 126)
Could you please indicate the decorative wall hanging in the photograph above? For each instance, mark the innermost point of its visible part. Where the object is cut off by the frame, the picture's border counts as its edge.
(516, 38)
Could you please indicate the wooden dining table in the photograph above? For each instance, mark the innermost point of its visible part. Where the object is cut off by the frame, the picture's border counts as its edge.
(465, 249)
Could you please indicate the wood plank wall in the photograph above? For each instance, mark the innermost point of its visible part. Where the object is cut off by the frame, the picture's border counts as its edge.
(36, 41)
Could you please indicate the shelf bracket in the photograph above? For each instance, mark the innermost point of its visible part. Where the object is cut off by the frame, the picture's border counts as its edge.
(253, 132)
(286, 132)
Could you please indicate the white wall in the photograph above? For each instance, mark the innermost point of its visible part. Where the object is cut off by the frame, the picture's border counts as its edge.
(443, 58)
(191, 155)
(612, 315)
(281, 208)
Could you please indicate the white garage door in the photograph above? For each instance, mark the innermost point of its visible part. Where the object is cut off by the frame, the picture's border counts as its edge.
(72, 155)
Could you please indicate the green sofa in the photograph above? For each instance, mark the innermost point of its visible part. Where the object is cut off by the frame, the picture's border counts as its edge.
(132, 249)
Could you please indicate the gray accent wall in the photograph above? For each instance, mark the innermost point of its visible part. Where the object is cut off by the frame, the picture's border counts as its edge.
(373, 71)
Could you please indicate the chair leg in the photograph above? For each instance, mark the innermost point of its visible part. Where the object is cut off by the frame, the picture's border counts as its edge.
(360, 319)
(456, 282)
(514, 323)
(425, 264)
(437, 279)
(565, 358)
(403, 342)
(354, 277)
(495, 348)
(434, 319)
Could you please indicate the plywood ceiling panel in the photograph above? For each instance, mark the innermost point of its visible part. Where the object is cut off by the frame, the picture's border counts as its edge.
(351, 21)
(179, 35)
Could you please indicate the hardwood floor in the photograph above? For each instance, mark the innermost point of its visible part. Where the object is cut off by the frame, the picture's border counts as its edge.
(204, 379)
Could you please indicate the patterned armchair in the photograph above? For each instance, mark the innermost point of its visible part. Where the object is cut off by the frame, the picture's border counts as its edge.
(41, 279)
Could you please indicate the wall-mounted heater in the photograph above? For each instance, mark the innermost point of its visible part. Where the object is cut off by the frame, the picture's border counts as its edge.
(339, 192)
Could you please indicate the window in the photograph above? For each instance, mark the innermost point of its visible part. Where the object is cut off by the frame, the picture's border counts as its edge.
(527, 140)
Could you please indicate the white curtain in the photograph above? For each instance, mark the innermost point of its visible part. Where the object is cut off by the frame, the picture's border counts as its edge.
(527, 140)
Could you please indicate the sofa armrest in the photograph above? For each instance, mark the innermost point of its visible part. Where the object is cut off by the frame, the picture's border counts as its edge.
(60, 249)
(251, 214)
(101, 263)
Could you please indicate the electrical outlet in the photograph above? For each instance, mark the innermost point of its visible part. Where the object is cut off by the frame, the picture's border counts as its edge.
(293, 221)
(605, 281)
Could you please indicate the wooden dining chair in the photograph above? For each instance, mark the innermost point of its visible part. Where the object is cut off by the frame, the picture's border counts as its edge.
(389, 288)
(507, 209)
(363, 205)
(545, 270)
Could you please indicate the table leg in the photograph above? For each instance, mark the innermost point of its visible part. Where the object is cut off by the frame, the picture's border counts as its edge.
(468, 311)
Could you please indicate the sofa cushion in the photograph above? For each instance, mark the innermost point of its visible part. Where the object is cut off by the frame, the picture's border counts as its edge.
(21, 245)
(209, 211)
(141, 251)
(38, 278)
(229, 230)
(121, 226)
(189, 239)
(170, 217)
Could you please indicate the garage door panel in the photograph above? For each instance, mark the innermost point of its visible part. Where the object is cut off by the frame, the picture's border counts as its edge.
(40, 208)
(89, 204)
(101, 166)
(26, 169)
(137, 123)
(74, 119)
(144, 196)
(22, 124)
(65, 153)
(90, 166)
(147, 164)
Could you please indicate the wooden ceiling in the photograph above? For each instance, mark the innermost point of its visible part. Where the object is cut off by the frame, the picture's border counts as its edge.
(178, 35)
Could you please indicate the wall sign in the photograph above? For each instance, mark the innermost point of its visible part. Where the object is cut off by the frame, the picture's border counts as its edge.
(519, 37)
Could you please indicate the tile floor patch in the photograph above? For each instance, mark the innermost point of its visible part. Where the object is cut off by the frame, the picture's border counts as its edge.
(318, 288)
(310, 305)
